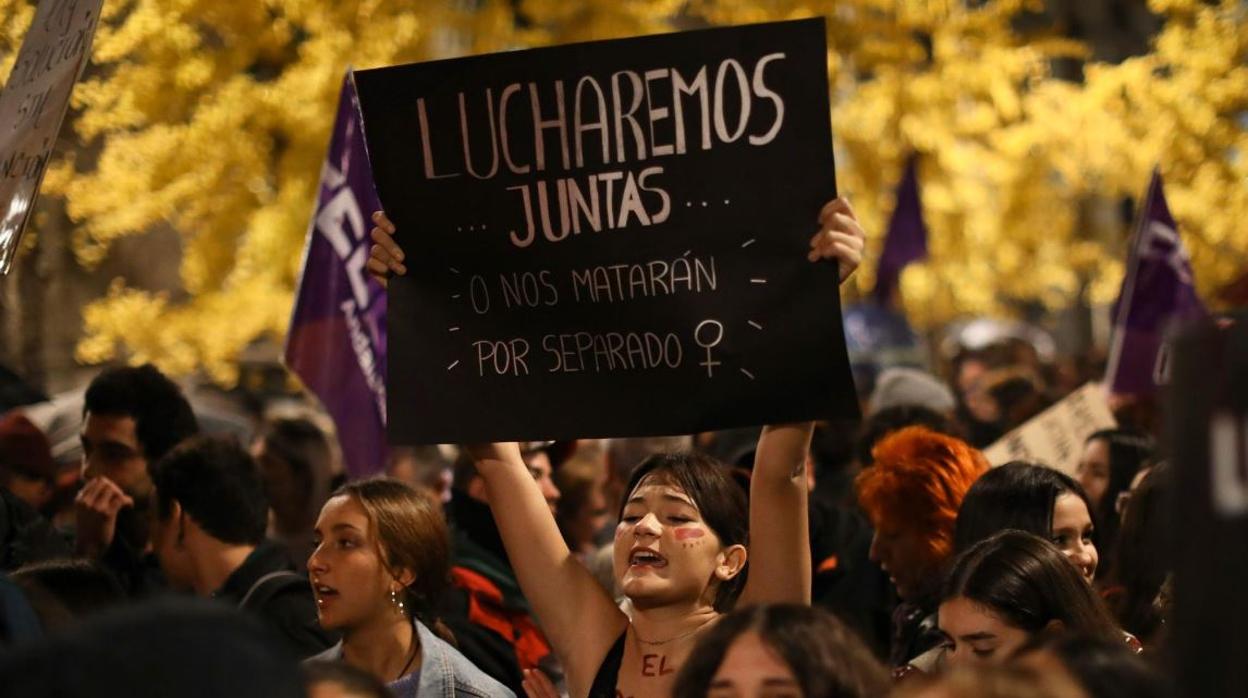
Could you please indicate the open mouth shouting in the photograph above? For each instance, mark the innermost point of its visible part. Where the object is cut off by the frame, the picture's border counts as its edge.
(324, 593)
(645, 557)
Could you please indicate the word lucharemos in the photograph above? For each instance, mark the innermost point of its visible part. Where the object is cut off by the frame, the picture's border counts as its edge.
(604, 128)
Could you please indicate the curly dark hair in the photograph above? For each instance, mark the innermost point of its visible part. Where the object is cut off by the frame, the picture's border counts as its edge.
(162, 416)
(218, 484)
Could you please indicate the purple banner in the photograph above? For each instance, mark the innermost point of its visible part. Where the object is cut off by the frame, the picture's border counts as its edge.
(1158, 290)
(337, 339)
(906, 239)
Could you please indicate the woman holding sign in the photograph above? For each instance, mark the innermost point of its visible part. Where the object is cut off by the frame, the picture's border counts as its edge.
(681, 544)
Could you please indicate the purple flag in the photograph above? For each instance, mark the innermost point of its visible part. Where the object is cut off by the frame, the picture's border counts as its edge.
(1158, 290)
(906, 240)
(337, 339)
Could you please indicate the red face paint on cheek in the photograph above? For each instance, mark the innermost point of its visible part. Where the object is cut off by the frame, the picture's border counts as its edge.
(689, 533)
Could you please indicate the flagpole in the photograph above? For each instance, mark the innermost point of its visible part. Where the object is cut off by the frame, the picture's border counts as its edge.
(1128, 287)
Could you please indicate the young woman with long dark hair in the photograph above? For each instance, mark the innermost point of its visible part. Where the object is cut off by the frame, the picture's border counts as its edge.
(1004, 590)
(1036, 499)
(1111, 460)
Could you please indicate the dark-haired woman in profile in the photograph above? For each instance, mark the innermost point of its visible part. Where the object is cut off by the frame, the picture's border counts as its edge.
(382, 559)
(781, 650)
(1004, 590)
(1111, 460)
(680, 547)
(1032, 498)
(1144, 559)
(296, 458)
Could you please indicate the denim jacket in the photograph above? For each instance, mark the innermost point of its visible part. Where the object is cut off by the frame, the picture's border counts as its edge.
(444, 672)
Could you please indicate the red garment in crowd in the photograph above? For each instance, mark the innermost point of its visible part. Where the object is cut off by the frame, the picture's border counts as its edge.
(486, 608)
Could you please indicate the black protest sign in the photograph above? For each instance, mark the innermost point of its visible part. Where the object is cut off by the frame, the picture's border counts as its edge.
(1207, 416)
(32, 105)
(610, 238)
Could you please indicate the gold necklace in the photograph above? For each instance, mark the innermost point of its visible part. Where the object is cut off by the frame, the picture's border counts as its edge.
(683, 635)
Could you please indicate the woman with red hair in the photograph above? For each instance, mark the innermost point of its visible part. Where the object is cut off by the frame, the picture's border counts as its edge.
(912, 494)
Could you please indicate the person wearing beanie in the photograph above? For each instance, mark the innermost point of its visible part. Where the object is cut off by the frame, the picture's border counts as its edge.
(910, 386)
(26, 466)
(27, 482)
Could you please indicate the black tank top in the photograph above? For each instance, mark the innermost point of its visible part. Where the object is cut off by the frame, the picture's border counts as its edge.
(609, 673)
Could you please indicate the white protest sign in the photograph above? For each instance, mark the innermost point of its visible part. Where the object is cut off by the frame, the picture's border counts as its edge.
(33, 104)
(1056, 436)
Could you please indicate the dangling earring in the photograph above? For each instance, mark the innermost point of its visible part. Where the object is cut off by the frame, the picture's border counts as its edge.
(398, 602)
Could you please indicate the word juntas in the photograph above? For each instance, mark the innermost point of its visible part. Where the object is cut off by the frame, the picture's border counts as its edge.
(609, 122)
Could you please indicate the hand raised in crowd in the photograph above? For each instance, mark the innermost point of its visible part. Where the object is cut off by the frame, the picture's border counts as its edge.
(536, 685)
(96, 508)
(839, 237)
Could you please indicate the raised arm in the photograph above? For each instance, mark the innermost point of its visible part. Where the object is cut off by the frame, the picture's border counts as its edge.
(578, 616)
(779, 523)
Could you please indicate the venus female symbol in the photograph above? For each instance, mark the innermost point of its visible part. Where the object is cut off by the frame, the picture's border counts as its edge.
(708, 334)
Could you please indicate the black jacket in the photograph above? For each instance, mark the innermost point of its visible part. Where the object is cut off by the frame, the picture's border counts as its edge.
(139, 573)
(915, 631)
(284, 601)
(25, 536)
(846, 582)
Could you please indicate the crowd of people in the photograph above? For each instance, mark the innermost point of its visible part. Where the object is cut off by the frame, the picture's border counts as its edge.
(831, 559)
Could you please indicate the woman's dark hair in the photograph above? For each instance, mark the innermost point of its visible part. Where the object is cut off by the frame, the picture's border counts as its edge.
(719, 498)
(411, 534)
(355, 682)
(1128, 451)
(296, 491)
(62, 591)
(1028, 583)
(1017, 496)
(890, 419)
(577, 478)
(826, 657)
(1143, 558)
(1103, 668)
(1019, 395)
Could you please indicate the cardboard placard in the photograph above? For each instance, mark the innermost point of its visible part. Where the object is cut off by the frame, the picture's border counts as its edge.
(610, 238)
(1055, 437)
(33, 104)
